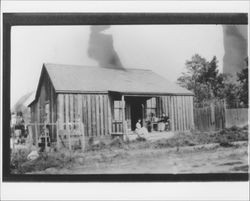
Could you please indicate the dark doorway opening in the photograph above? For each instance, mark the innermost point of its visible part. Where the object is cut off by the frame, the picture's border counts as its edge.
(136, 113)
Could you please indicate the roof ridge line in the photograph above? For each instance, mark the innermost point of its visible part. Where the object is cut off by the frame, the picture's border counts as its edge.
(85, 66)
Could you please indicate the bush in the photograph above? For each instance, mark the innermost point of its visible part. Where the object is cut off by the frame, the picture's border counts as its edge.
(18, 157)
(20, 164)
(117, 142)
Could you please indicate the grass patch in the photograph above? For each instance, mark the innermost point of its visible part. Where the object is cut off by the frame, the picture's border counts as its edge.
(21, 165)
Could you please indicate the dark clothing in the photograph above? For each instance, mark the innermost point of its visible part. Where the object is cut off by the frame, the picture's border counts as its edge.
(164, 119)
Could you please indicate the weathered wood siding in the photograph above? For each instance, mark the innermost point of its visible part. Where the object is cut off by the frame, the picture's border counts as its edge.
(46, 95)
(94, 110)
(128, 115)
(210, 118)
(179, 109)
(236, 117)
(217, 117)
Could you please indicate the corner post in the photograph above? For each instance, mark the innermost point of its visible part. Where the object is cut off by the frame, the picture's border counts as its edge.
(123, 115)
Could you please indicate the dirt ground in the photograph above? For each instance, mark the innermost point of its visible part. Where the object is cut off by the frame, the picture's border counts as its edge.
(208, 158)
(224, 151)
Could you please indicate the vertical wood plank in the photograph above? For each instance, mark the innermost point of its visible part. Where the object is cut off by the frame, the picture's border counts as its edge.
(181, 113)
(38, 112)
(101, 115)
(97, 115)
(67, 110)
(123, 115)
(163, 110)
(75, 108)
(177, 112)
(109, 115)
(187, 113)
(192, 112)
(71, 108)
(83, 136)
(93, 119)
(85, 114)
(171, 115)
(51, 101)
(175, 115)
(157, 107)
(57, 136)
(163, 104)
(36, 134)
(69, 137)
(79, 107)
(184, 113)
(60, 112)
(89, 115)
(167, 105)
(105, 115)
(160, 105)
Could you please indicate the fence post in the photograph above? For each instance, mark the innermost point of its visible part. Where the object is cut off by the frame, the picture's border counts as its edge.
(45, 133)
(225, 113)
(69, 129)
(57, 135)
(83, 135)
(212, 116)
(36, 135)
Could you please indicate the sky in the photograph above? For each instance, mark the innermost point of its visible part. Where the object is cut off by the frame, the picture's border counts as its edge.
(161, 48)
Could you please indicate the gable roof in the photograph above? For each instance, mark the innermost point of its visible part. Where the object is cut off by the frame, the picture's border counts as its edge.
(79, 79)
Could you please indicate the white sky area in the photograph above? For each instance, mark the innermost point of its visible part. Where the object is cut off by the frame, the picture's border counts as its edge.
(161, 48)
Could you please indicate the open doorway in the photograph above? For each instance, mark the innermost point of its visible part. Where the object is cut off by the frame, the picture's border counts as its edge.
(137, 111)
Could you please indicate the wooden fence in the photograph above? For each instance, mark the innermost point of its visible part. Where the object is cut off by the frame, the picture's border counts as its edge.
(217, 116)
(70, 135)
(236, 117)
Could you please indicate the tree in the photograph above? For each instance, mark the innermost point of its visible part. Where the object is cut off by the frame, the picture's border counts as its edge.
(207, 84)
(243, 89)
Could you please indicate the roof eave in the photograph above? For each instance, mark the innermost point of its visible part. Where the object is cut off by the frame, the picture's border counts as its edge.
(80, 92)
(154, 93)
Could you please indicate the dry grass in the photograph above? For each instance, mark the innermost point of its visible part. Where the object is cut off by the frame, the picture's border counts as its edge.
(64, 158)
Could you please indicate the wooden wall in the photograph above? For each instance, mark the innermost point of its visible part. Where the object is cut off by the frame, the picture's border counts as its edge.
(217, 117)
(46, 95)
(210, 117)
(93, 110)
(96, 110)
(179, 109)
(236, 117)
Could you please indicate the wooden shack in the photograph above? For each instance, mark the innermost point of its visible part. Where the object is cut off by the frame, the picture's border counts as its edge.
(108, 100)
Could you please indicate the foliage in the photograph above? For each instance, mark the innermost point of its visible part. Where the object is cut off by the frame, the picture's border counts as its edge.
(208, 85)
(243, 90)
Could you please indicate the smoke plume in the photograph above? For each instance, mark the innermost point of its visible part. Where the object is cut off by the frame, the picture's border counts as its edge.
(101, 48)
(235, 45)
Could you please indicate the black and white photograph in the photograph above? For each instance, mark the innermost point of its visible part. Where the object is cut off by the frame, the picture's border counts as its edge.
(105, 102)
(115, 99)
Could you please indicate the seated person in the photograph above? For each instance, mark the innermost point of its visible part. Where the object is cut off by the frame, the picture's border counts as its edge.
(166, 120)
(139, 129)
(163, 123)
(154, 122)
(149, 124)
